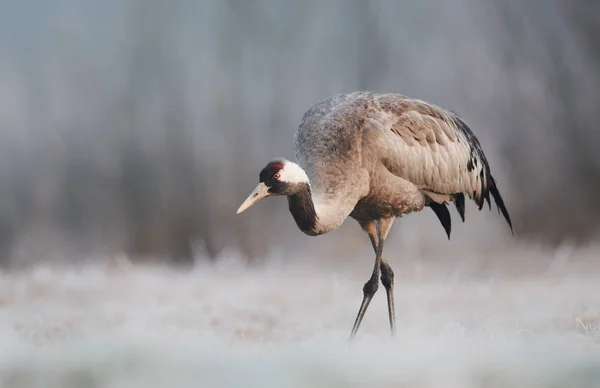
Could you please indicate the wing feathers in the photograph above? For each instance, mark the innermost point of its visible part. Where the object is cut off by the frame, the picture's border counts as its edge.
(459, 202)
(437, 151)
(442, 213)
(500, 203)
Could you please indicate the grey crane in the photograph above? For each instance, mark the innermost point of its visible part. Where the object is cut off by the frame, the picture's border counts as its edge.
(375, 157)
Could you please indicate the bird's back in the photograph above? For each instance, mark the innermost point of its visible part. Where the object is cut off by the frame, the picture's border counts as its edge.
(343, 140)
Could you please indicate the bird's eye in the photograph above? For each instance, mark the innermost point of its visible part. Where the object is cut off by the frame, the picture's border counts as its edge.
(276, 175)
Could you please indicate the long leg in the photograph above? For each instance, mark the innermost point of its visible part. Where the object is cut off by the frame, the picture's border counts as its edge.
(377, 231)
(370, 287)
(387, 279)
(387, 274)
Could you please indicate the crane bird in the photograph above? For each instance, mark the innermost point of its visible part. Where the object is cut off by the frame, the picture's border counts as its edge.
(375, 157)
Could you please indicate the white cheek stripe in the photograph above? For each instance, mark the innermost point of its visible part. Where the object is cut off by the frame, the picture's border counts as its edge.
(292, 173)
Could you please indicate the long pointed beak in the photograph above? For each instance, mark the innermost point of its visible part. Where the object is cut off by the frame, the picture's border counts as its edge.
(261, 191)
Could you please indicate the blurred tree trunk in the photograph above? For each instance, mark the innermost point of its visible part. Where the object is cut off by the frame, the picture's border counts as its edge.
(556, 169)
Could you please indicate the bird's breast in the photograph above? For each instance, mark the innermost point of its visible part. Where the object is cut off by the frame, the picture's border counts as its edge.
(374, 208)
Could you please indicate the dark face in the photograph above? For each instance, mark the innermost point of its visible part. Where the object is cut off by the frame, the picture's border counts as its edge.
(269, 185)
(270, 176)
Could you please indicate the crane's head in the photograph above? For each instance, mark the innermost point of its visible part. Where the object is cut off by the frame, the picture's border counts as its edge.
(279, 177)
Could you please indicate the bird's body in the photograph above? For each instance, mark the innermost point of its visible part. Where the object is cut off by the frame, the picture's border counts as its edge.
(374, 157)
(385, 155)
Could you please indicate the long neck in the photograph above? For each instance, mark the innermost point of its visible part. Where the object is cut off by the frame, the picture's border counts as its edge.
(313, 220)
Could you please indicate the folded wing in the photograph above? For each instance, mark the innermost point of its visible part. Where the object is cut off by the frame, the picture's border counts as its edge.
(436, 151)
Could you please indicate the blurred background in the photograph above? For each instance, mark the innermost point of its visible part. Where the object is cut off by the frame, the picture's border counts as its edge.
(137, 127)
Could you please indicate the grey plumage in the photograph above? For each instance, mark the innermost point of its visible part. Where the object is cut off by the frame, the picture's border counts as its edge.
(374, 157)
(385, 155)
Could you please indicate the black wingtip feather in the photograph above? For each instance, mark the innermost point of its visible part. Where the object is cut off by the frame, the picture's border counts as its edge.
(480, 204)
(442, 213)
(500, 203)
(459, 202)
(491, 188)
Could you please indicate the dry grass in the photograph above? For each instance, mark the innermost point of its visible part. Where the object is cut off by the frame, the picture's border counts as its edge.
(286, 325)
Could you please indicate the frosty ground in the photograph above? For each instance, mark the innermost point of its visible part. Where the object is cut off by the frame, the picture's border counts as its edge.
(518, 323)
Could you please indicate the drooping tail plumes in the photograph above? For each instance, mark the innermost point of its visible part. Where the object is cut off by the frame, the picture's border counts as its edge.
(442, 213)
(499, 202)
(486, 180)
(459, 202)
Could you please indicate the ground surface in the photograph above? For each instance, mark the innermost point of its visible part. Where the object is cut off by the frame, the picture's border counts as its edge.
(287, 326)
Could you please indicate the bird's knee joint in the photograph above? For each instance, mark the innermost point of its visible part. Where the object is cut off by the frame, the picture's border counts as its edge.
(387, 275)
(371, 286)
